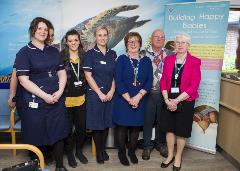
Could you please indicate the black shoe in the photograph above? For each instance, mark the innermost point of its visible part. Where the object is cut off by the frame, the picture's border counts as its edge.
(176, 168)
(83, 159)
(47, 154)
(71, 160)
(99, 158)
(163, 165)
(61, 169)
(146, 154)
(133, 158)
(163, 150)
(105, 156)
(123, 158)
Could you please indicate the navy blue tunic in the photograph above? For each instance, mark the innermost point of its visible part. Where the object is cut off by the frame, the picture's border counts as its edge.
(124, 114)
(48, 123)
(99, 114)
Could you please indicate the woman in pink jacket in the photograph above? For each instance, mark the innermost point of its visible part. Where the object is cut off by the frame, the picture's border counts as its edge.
(179, 86)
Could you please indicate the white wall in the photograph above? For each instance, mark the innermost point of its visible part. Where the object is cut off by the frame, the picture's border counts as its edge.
(233, 3)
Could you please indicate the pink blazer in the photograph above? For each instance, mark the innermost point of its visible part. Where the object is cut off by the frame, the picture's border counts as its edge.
(190, 79)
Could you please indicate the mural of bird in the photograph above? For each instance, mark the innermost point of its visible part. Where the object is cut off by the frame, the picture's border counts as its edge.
(118, 26)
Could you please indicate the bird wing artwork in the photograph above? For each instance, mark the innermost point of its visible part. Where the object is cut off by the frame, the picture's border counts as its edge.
(118, 26)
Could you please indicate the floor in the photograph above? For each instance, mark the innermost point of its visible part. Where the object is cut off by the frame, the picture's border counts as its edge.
(192, 161)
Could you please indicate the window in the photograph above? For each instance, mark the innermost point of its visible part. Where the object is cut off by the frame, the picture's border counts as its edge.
(231, 40)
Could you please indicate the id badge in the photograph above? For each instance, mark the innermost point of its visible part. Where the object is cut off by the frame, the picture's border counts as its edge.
(78, 83)
(33, 105)
(175, 90)
(103, 62)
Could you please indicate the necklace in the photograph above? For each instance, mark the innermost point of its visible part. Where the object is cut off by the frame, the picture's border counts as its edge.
(135, 83)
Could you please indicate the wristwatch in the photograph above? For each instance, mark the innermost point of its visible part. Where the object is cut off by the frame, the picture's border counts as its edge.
(14, 99)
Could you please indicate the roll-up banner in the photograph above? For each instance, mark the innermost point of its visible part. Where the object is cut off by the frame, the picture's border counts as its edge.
(206, 23)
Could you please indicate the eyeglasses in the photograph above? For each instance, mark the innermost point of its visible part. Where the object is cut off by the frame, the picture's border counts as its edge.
(181, 43)
(133, 42)
(159, 37)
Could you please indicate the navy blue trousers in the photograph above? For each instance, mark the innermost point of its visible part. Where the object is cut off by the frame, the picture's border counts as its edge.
(152, 114)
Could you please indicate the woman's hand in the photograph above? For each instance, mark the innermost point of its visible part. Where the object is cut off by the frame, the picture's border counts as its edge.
(109, 95)
(102, 97)
(171, 105)
(56, 95)
(175, 101)
(48, 98)
(11, 104)
(134, 101)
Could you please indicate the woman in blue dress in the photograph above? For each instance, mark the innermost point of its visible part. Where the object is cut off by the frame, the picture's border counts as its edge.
(15, 98)
(99, 66)
(133, 78)
(41, 73)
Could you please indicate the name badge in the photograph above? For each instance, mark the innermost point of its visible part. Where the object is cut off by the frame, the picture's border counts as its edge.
(103, 62)
(33, 105)
(175, 90)
(78, 83)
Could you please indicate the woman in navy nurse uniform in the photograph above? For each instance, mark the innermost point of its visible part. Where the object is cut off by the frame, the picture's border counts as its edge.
(41, 73)
(99, 65)
(134, 77)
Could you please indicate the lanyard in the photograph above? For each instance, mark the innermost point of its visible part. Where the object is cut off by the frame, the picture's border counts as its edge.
(177, 70)
(135, 69)
(76, 73)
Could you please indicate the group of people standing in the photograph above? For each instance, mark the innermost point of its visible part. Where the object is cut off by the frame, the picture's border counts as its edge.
(60, 95)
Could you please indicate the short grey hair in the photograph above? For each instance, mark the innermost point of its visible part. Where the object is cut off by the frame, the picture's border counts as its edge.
(160, 30)
(185, 36)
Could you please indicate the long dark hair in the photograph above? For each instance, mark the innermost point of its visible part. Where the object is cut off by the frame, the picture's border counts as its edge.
(65, 52)
(65, 55)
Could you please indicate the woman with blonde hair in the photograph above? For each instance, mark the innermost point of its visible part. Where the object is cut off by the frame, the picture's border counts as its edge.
(99, 65)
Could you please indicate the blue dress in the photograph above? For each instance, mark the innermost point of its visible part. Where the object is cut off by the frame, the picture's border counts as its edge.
(46, 123)
(124, 114)
(102, 67)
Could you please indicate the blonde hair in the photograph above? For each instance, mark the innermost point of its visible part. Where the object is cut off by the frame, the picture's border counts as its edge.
(101, 28)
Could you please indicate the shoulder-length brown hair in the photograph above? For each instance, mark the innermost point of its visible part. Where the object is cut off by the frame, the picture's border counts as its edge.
(34, 25)
(130, 35)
